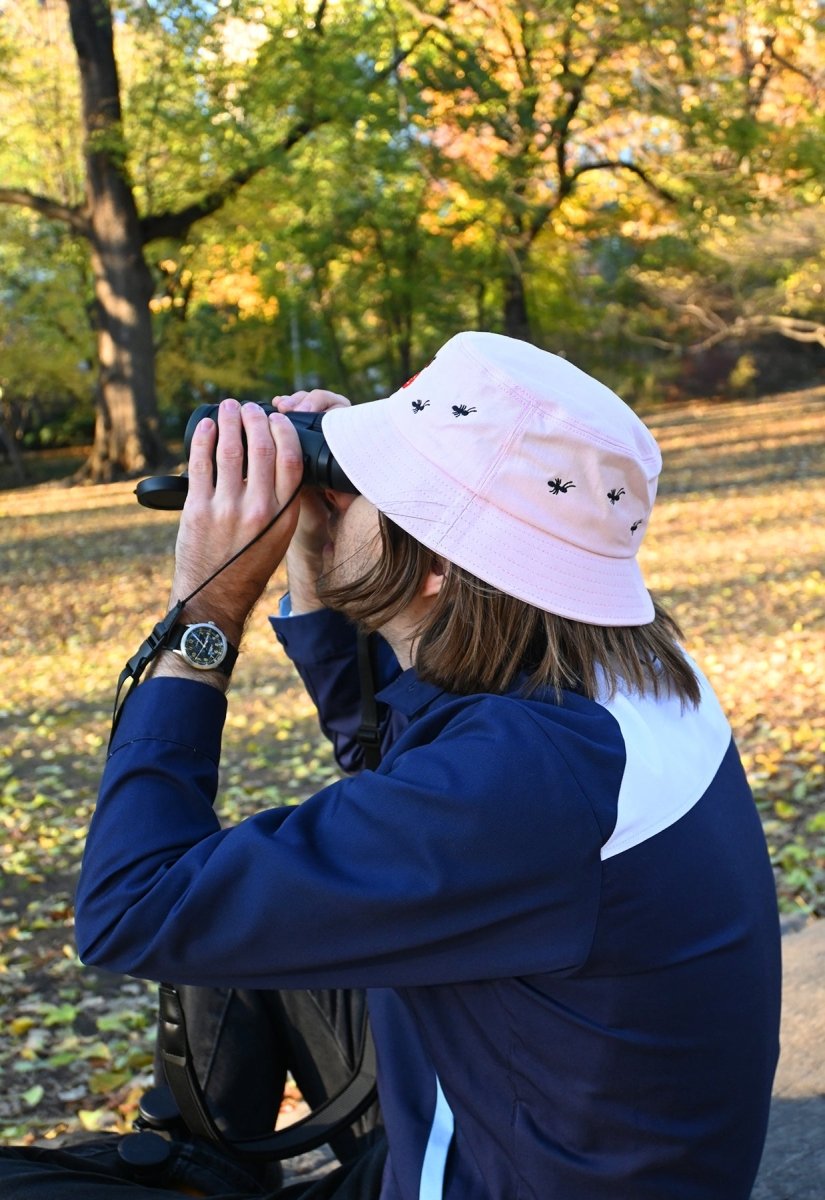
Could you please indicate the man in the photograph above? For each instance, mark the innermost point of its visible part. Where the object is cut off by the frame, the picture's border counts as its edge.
(554, 888)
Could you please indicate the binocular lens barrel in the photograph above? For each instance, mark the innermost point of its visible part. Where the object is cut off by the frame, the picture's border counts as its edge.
(320, 468)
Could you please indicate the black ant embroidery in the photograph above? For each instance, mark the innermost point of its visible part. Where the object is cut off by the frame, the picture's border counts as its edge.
(420, 405)
(614, 495)
(636, 525)
(556, 485)
(461, 410)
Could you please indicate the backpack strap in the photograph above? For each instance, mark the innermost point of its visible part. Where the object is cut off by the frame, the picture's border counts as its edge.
(340, 1110)
(333, 1116)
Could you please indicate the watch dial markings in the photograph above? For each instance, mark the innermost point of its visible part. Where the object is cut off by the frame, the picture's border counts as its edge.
(204, 646)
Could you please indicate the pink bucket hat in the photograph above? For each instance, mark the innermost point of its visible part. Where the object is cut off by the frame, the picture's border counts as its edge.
(517, 466)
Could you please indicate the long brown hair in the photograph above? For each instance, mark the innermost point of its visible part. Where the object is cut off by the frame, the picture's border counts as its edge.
(476, 638)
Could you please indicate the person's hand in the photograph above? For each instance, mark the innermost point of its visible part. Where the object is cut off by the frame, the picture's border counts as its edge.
(311, 532)
(304, 559)
(219, 518)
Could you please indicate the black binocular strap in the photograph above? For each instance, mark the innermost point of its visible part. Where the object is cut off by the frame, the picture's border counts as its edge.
(368, 734)
(333, 1116)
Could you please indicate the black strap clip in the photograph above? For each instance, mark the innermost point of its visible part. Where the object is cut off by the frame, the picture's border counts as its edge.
(139, 661)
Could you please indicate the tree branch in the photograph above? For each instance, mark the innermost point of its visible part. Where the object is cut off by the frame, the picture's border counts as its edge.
(318, 20)
(808, 76)
(575, 84)
(795, 328)
(73, 216)
(429, 20)
(403, 53)
(177, 224)
(617, 165)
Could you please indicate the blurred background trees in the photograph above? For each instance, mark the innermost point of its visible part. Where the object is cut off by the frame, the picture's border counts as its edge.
(211, 197)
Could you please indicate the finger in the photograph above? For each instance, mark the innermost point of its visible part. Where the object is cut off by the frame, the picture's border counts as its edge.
(314, 514)
(318, 400)
(289, 460)
(230, 453)
(201, 469)
(260, 450)
(288, 403)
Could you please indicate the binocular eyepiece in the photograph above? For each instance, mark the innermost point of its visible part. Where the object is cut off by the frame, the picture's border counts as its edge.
(320, 468)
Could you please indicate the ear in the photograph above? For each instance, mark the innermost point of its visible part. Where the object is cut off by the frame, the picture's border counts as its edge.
(433, 579)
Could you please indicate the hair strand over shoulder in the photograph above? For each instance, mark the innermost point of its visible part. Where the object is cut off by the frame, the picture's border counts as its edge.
(476, 638)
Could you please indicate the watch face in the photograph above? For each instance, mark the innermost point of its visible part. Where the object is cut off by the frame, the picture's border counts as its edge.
(204, 646)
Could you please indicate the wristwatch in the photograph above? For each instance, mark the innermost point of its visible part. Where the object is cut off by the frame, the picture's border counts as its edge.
(203, 646)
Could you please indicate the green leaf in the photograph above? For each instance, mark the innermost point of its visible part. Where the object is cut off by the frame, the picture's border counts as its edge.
(34, 1095)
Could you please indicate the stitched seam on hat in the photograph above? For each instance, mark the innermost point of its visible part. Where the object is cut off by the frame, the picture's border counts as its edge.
(465, 495)
(527, 397)
(476, 493)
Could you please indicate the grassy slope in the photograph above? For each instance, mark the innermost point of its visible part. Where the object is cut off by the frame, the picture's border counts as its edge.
(737, 548)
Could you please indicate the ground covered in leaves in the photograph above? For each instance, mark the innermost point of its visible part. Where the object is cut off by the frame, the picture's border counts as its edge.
(736, 547)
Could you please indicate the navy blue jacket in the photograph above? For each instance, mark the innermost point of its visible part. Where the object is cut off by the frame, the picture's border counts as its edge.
(564, 914)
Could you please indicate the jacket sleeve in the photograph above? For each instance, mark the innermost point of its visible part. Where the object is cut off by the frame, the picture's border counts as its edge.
(322, 647)
(439, 867)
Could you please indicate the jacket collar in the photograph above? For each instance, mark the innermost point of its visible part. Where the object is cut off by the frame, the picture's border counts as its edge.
(408, 695)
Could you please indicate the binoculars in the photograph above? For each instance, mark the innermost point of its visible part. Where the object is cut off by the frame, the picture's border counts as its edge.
(320, 467)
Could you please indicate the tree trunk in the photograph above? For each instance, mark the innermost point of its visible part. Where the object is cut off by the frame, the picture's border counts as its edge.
(126, 428)
(8, 446)
(127, 440)
(516, 317)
